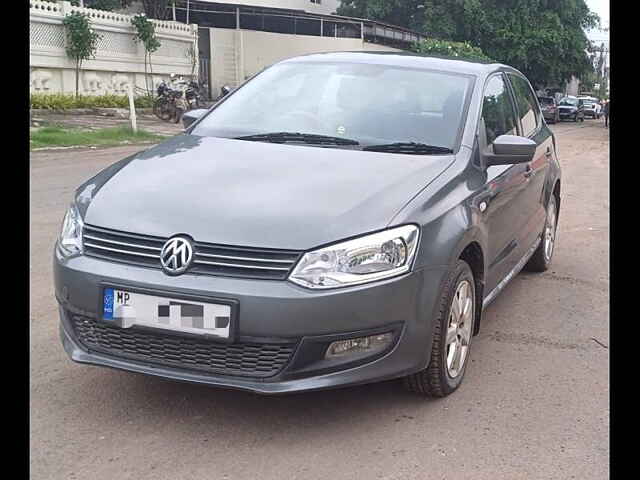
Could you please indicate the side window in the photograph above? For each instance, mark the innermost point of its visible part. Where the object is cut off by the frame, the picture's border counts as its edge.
(497, 110)
(527, 107)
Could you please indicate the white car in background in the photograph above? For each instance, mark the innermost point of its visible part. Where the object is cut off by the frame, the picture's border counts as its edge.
(592, 107)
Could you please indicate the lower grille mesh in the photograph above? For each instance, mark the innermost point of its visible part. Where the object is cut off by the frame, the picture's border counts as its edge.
(238, 359)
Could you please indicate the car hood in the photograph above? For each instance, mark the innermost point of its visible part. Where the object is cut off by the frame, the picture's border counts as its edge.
(255, 194)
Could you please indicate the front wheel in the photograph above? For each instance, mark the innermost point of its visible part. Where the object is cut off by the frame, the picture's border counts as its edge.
(540, 261)
(452, 334)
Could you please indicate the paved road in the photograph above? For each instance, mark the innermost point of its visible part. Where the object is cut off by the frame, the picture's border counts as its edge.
(534, 404)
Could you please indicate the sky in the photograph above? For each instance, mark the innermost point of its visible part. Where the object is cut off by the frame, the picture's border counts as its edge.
(601, 7)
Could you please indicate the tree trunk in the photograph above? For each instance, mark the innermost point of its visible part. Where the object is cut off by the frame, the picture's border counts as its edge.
(77, 76)
(146, 76)
(151, 70)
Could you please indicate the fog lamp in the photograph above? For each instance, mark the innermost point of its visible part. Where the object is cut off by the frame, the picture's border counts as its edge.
(369, 345)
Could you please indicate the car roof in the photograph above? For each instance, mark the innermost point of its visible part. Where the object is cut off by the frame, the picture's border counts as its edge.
(408, 59)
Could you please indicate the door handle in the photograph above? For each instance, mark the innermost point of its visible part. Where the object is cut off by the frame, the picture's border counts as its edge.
(529, 172)
(548, 153)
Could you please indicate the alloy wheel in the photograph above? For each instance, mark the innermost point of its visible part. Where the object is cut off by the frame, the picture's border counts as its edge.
(459, 328)
(550, 230)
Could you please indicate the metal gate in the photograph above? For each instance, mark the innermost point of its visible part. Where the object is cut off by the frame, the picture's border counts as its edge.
(204, 70)
(203, 77)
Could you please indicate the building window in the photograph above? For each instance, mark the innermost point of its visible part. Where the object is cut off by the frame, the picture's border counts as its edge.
(319, 2)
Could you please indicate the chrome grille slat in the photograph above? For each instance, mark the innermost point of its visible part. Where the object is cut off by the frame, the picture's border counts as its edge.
(209, 259)
(115, 242)
(117, 250)
(247, 259)
(237, 265)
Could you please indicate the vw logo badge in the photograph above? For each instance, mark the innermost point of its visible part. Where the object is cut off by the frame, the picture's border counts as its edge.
(176, 255)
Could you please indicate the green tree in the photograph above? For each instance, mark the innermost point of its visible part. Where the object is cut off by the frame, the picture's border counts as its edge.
(544, 39)
(447, 48)
(406, 13)
(82, 41)
(146, 34)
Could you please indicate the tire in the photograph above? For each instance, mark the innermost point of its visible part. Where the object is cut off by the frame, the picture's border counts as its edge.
(162, 109)
(541, 259)
(437, 379)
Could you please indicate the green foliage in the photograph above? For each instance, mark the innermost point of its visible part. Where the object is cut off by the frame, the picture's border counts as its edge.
(82, 40)
(56, 136)
(544, 39)
(462, 50)
(406, 13)
(145, 33)
(62, 101)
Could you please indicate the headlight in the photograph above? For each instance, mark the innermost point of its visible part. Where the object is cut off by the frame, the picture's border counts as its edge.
(365, 259)
(70, 240)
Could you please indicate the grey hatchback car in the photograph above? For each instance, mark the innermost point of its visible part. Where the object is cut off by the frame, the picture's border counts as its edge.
(339, 219)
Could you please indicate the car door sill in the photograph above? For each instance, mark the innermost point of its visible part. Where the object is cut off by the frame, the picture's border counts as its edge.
(503, 283)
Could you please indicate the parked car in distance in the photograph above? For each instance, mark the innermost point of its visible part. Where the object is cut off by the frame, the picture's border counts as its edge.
(592, 107)
(571, 108)
(338, 219)
(549, 108)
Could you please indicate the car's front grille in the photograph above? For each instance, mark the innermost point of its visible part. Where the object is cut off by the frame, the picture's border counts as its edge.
(209, 259)
(258, 360)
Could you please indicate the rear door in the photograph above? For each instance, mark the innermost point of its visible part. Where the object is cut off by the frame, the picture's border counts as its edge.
(532, 126)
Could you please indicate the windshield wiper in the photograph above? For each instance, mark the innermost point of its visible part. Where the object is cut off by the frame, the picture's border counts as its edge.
(308, 138)
(409, 148)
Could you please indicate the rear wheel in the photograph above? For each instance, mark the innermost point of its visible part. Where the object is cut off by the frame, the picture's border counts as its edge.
(541, 258)
(162, 109)
(452, 334)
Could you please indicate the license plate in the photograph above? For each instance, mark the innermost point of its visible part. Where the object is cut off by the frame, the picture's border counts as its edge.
(125, 309)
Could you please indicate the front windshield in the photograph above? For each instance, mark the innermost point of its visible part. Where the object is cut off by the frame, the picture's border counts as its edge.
(572, 102)
(369, 104)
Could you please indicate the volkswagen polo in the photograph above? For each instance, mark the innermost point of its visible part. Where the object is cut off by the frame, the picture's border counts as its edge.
(338, 219)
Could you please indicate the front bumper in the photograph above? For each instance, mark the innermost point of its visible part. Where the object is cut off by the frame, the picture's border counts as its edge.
(567, 113)
(268, 311)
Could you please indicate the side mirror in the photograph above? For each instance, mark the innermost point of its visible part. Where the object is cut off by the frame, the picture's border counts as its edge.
(511, 149)
(192, 115)
(226, 90)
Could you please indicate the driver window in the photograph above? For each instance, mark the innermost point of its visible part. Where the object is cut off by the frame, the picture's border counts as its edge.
(497, 110)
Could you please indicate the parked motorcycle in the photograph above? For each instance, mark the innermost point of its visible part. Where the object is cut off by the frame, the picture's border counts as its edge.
(171, 103)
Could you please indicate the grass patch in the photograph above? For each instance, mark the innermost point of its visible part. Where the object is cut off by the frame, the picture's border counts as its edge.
(54, 136)
(65, 101)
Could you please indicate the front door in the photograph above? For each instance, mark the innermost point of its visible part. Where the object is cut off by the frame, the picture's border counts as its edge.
(536, 171)
(502, 198)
